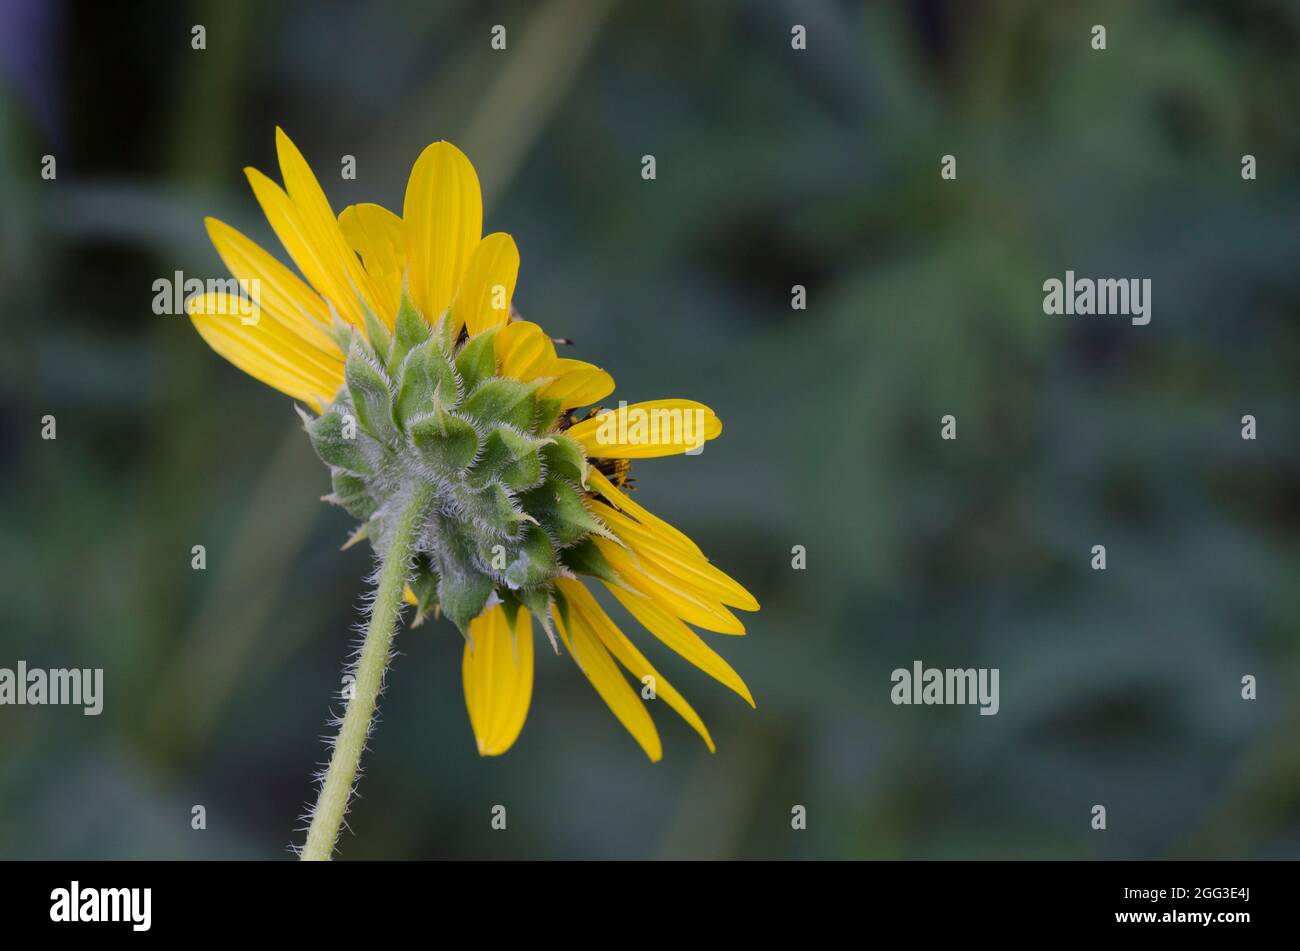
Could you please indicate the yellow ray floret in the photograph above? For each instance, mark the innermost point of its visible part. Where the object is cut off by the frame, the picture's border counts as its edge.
(583, 610)
(279, 292)
(693, 572)
(592, 658)
(348, 279)
(266, 349)
(301, 244)
(646, 430)
(487, 287)
(577, 384)
(681, 639)
(497, 670)
(524, 351)
(687, 603)
(442, 218)
(624, 503)
(375, 233)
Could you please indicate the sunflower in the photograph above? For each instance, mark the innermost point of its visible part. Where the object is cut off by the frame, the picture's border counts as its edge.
(491, 483)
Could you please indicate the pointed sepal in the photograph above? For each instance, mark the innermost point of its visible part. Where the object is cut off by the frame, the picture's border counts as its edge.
(409, 331)
(585, 558)
(463, 597)
(499, 514)
(424, 585)
(351, 492)
(381, 341)
(560, 507)
(335, 438)
(425, 375)
(511, 457)
(444, 441)
(533, 562)
(371, 389)
(566, 457)
(538, 602)
(500, 400)
(546, 414)
(477, 360)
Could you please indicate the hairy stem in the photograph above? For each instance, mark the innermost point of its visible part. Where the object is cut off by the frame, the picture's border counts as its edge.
(375, 651)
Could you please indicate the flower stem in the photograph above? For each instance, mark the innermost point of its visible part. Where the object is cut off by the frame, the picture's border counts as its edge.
(375, 651)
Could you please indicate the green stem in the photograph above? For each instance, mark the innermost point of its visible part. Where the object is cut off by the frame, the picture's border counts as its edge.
(375, 651)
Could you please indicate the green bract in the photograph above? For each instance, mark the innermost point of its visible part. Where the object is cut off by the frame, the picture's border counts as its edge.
(509, 514)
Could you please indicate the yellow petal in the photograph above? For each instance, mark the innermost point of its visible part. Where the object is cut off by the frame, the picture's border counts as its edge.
(579, 387)
(680, 638)
(343, 269)
(497, 669)
(581, 600)
(483, 299)
(592, 658)
(689, 605)
(280, 292)
(693, 571)
(442, 218)
(524, 351)
(645, 430)
(303, 248)
(375, 233)
(565, 365)
(623, 502)
(265, 350)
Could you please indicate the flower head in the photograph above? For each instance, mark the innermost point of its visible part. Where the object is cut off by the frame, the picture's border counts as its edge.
(402, 337)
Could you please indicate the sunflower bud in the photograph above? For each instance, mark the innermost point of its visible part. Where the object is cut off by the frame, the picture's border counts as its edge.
(508, 517)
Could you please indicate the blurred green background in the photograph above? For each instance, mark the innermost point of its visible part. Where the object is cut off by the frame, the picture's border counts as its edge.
(775, 168)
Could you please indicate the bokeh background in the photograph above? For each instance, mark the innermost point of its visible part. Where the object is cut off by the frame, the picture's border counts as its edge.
(775, 168)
